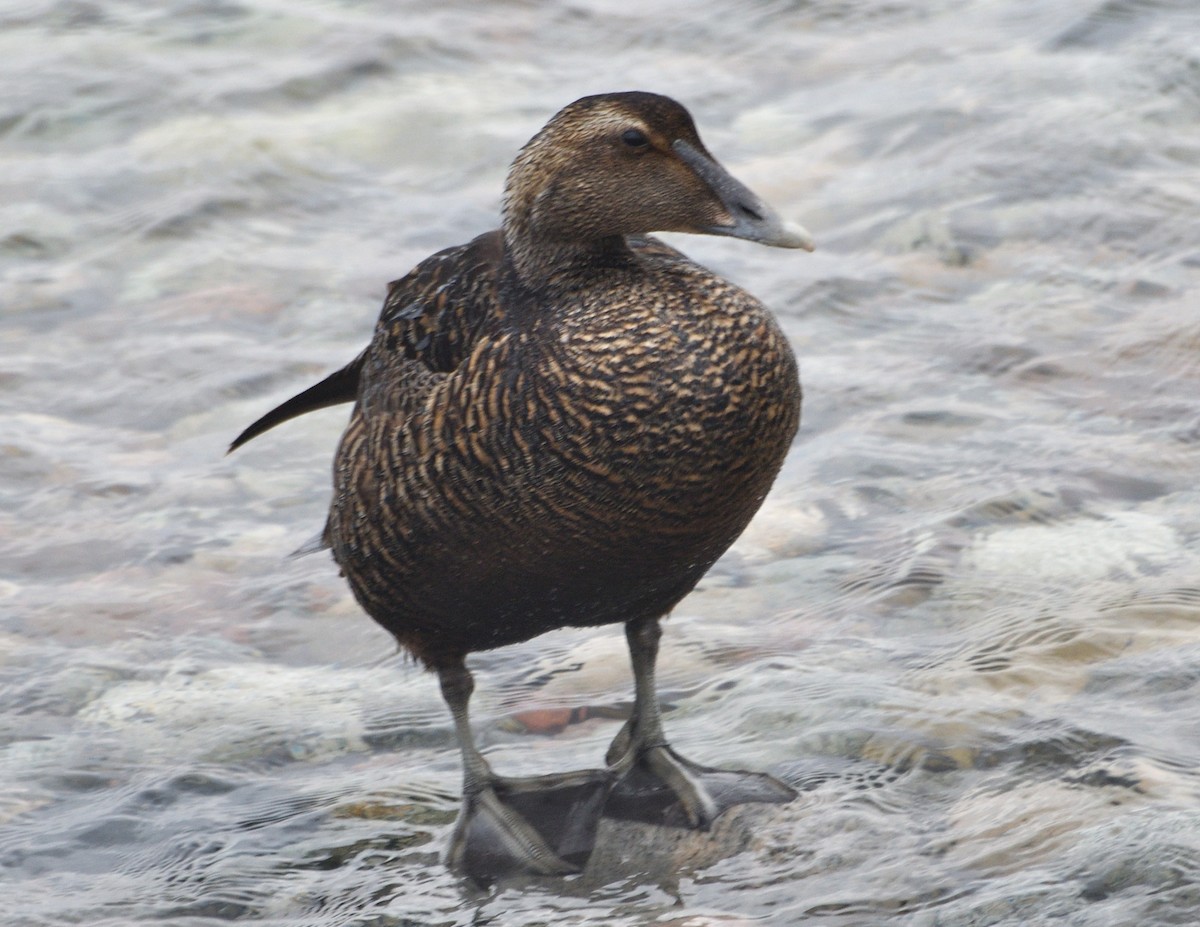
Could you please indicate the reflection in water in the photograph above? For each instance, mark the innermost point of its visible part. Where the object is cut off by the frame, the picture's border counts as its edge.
(964, 623)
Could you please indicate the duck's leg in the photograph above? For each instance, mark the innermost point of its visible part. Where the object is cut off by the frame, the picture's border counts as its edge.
(543, 824)
(655, 784)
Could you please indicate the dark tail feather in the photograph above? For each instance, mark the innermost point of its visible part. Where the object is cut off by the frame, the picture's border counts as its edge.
(314, 544)
(333, 390)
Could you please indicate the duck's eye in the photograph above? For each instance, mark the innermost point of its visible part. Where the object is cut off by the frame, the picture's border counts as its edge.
(635, 138)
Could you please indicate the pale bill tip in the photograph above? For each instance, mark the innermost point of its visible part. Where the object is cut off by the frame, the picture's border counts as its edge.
(796, 235)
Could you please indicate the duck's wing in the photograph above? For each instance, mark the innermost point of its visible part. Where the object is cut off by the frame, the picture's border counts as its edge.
(432, 314)
(428, 323)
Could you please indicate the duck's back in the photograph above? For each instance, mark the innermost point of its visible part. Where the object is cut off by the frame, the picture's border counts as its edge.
(518, 463)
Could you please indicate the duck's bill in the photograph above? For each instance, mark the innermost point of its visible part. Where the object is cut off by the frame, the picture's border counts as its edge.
(753, 219)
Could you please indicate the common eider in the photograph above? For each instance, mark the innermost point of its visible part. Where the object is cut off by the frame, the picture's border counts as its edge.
(565, 422)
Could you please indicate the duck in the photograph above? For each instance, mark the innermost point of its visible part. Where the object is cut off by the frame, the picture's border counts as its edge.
(565, 422)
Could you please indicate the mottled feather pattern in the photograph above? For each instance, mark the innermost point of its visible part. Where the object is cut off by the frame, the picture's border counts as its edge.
(570, 464)
(564, 421)
(432, 313)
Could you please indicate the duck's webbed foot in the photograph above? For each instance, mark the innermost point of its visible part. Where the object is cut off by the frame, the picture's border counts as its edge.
(661, 787)
(655, 785)
(544, 825)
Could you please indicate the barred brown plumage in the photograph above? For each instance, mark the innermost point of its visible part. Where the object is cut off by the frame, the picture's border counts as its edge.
(565, 423)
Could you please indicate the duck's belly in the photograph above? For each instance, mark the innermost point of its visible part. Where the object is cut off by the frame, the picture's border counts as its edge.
(529, 563)
(598, 499)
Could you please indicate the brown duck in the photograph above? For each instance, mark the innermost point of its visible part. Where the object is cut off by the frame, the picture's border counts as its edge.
(565, 423)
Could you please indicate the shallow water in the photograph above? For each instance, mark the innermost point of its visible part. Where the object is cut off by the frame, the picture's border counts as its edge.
(966, 623)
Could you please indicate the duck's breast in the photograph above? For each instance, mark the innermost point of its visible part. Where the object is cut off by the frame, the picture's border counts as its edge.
(581, 466)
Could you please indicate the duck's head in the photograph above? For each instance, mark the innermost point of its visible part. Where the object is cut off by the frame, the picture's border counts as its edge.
(621, 164)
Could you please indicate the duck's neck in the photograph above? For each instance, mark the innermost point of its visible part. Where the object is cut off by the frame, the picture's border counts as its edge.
(547, 264)
(550, 245)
